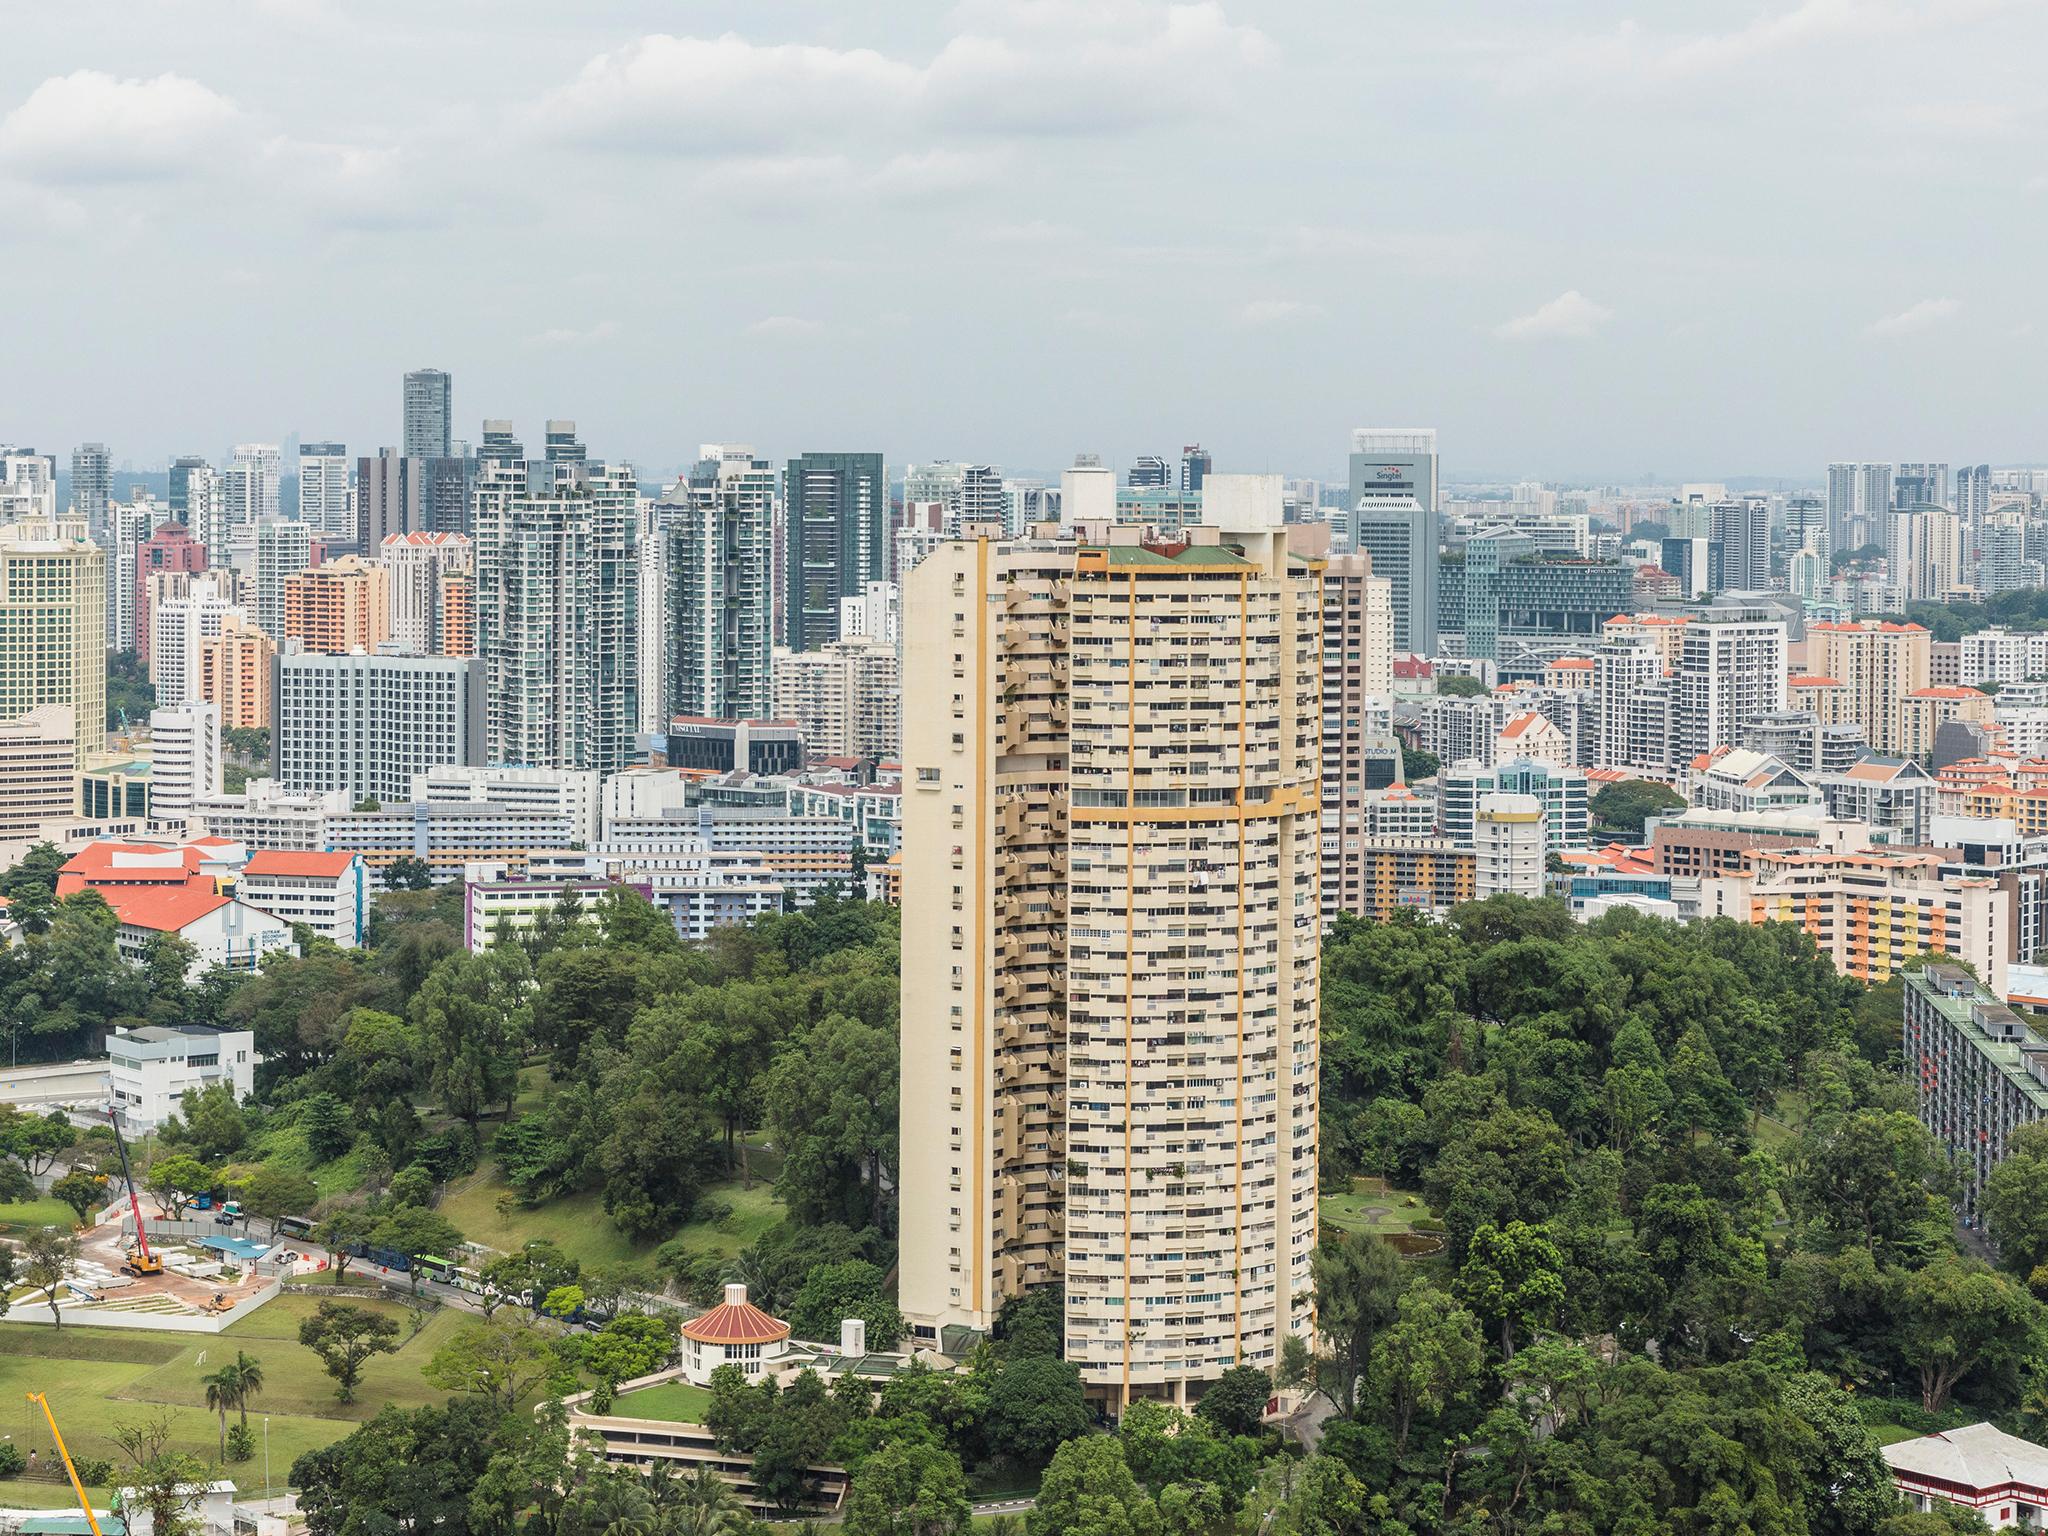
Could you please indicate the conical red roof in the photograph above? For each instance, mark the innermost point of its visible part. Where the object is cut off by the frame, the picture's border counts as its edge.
(736, 1321)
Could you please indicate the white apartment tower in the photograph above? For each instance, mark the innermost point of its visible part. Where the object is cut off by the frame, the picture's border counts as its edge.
(1112, 937)
(127, 527)
(178, 627)
(1731, 670)
(555, 591)
(184, 760)
(418, 565)
(284, 547)
(327, 503)
(250, 492)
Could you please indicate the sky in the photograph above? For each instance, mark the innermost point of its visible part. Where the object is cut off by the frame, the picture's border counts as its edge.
(1587, 241)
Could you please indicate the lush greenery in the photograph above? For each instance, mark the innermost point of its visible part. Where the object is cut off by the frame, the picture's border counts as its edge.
(1631, 1265)
(1619, 810)
(130, 693)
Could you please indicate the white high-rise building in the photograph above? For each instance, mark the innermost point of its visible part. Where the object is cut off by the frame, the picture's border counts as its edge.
(1859, 495)
(367, 724)
(556, 586)
(251, 488)
(206, 511)
(1731, 670)
(326, 498)
(1508, 841)
(420, 565)
(877, 614)
(184, 759)
(28, 485)
(284, 548)
(177, 628)
(128, 525)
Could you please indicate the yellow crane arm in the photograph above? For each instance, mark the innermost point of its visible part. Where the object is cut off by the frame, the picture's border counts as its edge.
(76, 1486)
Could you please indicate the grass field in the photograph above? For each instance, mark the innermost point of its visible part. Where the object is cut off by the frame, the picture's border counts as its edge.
(100, 1378)
(32, 1215)
(675, 1402)
(1372, 1207)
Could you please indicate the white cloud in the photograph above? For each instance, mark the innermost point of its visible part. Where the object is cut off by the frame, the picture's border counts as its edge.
(1918, 317)
(1014, 67)
(1276, 311)
(571, 336)
(696, 95)
(1571, 316)
(784, 325)
(91, 127)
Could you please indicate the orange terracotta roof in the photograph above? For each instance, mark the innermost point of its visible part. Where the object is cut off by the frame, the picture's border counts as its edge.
(166, 911)
(1945, 692)
(1813, 680)
(736, 1323)
(278, 861)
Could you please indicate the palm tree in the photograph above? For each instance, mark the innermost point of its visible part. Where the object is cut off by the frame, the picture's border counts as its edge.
(708, 1508)
(221, 1388)
(249, 1382)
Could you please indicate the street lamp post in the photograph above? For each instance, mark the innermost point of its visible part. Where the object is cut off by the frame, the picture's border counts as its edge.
(266, 1455)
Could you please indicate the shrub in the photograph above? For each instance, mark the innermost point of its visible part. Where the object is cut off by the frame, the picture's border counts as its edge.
(12, 1463)
(241, 1442)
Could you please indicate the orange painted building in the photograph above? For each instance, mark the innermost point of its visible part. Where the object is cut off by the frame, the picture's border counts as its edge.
(234, 672)
(338, 607)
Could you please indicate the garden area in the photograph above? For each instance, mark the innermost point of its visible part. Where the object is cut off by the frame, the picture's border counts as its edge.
(1399, 1216)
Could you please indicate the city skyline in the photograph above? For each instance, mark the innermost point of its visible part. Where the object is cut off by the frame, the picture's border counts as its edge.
(1186, 260)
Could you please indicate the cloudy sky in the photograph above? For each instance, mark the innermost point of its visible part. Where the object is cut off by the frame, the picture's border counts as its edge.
(1585, 239)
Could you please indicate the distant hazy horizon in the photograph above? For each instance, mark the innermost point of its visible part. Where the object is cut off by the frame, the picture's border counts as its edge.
(1583, 240)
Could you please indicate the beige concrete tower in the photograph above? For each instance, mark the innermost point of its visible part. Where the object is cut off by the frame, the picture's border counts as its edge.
(53, 625)
(1111, 937)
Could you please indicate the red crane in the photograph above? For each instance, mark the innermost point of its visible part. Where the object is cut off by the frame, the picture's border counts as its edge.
(140, 1260)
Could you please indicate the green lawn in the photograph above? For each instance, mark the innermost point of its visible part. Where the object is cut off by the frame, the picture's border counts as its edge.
(676, 1402)
(33, 1215)
(100, 1378)
(1372, 1207)
(1892, 1434)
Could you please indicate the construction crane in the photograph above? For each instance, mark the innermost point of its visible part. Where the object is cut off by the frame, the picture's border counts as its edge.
(140, 1260)
(65, 1456)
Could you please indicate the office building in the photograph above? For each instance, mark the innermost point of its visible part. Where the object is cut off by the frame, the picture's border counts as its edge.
(1150, 470)
(1392, 518)
(1499, 586)
(367, 724)
(1195, 466)
(1695, 563)
(284, 548)
(53, 624)
(428, 430)
(150, 1069)
(1878, 663)
(342, 605)
(430, 589)
(184, 760)
(555, 596)
(38, 771)
(836, 511)
(187, 472)
(726, 746)
(236, 665)
(718, 537)
(1103, 895)
(171, 548)
(390, 498)
(846, 695)
(326, 501)
(92, 486)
